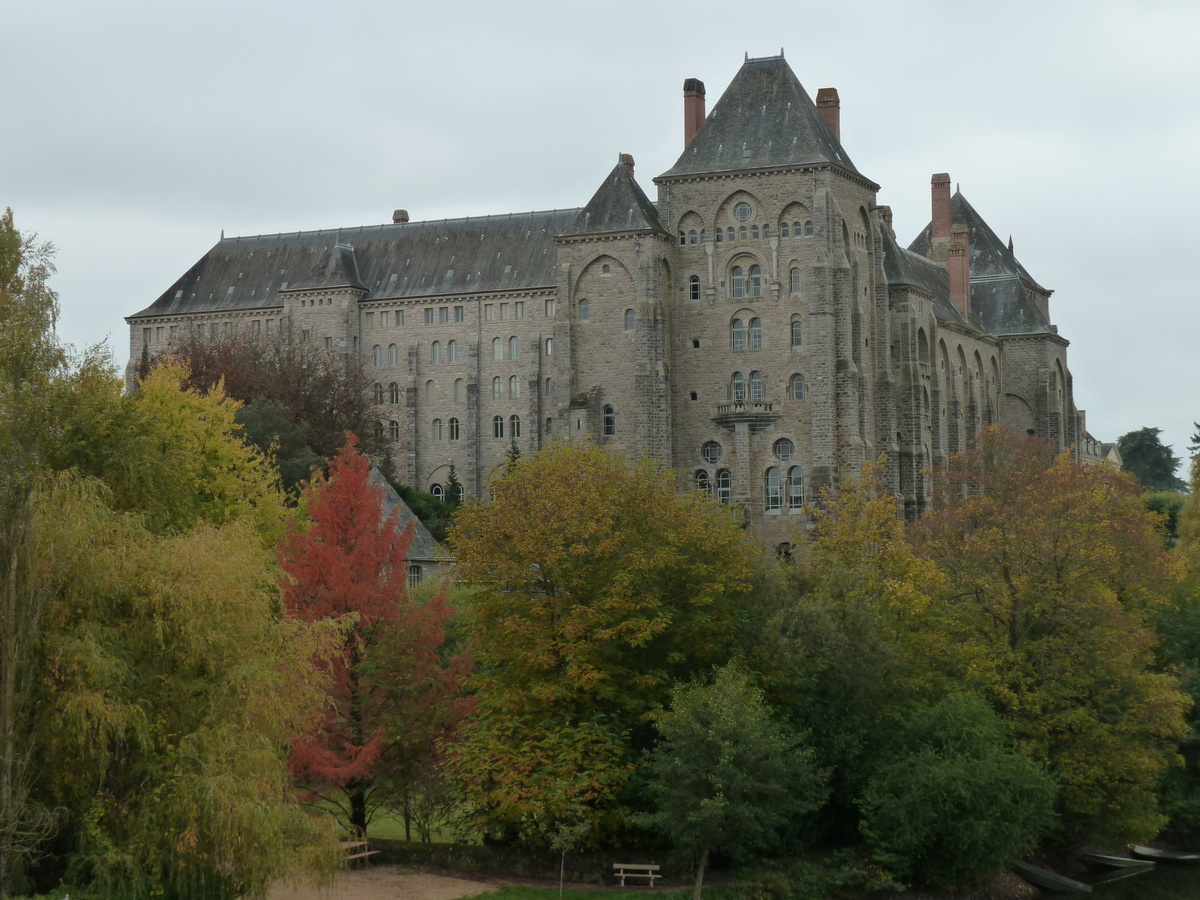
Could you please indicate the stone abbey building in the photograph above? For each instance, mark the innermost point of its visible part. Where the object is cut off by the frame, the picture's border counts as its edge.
(757, 327)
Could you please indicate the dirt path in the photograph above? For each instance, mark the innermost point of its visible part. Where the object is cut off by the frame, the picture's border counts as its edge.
(384, 883)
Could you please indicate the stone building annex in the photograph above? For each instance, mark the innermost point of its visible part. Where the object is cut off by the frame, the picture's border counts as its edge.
(757, 328)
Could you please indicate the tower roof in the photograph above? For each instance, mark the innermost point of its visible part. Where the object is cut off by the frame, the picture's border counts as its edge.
(618, 205)
(335, 268)
(765, 119)
(904, 267)
(1001, 288)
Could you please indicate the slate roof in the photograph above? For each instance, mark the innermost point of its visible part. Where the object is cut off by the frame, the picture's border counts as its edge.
(904, 267)
(423, 547)
(764, 119)
(1000, 285)
(412, 259)
(618, 205)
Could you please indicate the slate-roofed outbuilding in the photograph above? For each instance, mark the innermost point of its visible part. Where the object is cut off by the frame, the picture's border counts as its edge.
(423, 549)
(1001, 289)
(411, 259)
(765, 119)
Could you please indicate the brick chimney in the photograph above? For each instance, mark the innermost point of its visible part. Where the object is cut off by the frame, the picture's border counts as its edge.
(959, 264)
(830, 108)
(941, 217)
(693, 108)
(400, 216)
(885, 213)
(627, 162)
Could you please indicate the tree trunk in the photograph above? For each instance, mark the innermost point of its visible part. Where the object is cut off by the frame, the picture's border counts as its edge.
(358, 808)
(700, 873)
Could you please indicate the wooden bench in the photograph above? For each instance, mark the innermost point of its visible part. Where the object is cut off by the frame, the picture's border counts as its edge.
(635, 870)
(358, 850)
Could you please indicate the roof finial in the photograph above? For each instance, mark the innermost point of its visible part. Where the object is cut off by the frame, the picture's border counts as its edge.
(956, 187)
(781, 53)
(222, 234)
(1010, 243)
(747, 59)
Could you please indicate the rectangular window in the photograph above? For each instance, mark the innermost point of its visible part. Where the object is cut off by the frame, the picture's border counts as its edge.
(503, 311)
(549, 309)
(444, 314)
(270, 326)
(489, 310)
(429, 316)
(399, 318)
(255, 327)
(147, 332)
(174, 329)
(371, 319)
(304, 335)
(328, 343)
(460, 314)
(158, 334)
(519, 309)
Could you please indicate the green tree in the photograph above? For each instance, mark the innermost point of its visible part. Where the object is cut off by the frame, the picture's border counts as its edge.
(1150, 460)
(958, 801)
(726, 776)
(595, 586)
(1055, 576)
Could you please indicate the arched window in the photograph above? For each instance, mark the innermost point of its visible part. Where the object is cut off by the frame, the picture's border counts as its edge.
(630, 319)
(393, 431)
(796, 229)
(737, 388)
(720, 235)
(498, 426)
(377, 355)
(549, 346)
(742, 234)
(724, 486)
(795, 487)
(514, 426)
(452, 351)
(497, 348)
(610, 421)
(700, 481)
(439, 492)
(797, 333)
(737, 335)
(453, 429)
(783, 230)
(703, 236)
(756, 334)
(766, 232)
(549, 425)
(694, 286)
(738, 282)
(379, 430)
(692, 236)
(754, 232)
(436, 431)
(773, 492)
(497, 388)
(585, 310)
(460, 390)
(514, 348)
(729, 235)
(794, 280)
(682, 237)
(796, 387)
(514, 387)
(393, 355)
(808, 228)
(756, 281)
(549, 387)
(606, 270)
(757, 388)
(378, 393)
(435, 352)
(393, 393)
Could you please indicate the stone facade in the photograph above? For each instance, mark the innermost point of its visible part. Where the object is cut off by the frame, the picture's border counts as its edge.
(757, 328)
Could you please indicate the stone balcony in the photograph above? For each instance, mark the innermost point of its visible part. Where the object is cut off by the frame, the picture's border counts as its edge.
(756, 414)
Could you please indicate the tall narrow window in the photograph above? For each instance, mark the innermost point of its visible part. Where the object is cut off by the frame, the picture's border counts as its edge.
(453, 423)
(737, 388)
(377, 355)
(757, 389)
(794, 280)
(514, 348)
(393, 355)
(497, 388)
(737, 335)
(549, 346)
(393, 393)
(784, 231)
(430, 390)
(724, 486)
(497, 348)
(452, 351)
(795, 487)
(738, 282)
(796, 387)
(797, 334)
(437, 429)
(700, 481)
(692, 236)
(630, 319)
(694, 286)
(773, 489)
(610, 421)
(756, 281)
(435, 352)
(808, 228)
(514, 387)
(498, 426)
(742, 234)
(754, 232)
(585, 310)
(438, 492)
(514, 426)
(460, 390)
(549, 425)
(378, 392)
(720, 235)
(393, 431)
(756, 334)
(549, 387)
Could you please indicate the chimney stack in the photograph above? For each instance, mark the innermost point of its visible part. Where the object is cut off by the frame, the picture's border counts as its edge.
(885, 213)
(959, 264)
(400, 216)
(830, 108)
(940, 228)
(627, 161)
(693, 108)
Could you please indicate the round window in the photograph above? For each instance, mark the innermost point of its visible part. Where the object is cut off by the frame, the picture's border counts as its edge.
(784, 449)
(711, 451)
(742, 211)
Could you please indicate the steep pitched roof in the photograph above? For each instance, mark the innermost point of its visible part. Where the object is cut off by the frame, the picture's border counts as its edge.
(618, 205)
(336, 268)
(423, 547)
(764, 119)
(1000, 286)
(409, 260)
(904, 267)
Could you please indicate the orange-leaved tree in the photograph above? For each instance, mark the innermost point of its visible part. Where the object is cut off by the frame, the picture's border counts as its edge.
(393, 698)
(1055, 574)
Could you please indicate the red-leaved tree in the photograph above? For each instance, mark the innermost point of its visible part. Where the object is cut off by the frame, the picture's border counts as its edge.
(393, 699)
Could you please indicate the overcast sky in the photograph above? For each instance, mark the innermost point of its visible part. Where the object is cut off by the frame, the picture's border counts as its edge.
(132, 133)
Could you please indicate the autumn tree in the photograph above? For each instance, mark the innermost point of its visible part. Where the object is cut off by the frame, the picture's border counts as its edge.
(1055, 573)
(726, 775)
(596, 585)
(391, 696)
